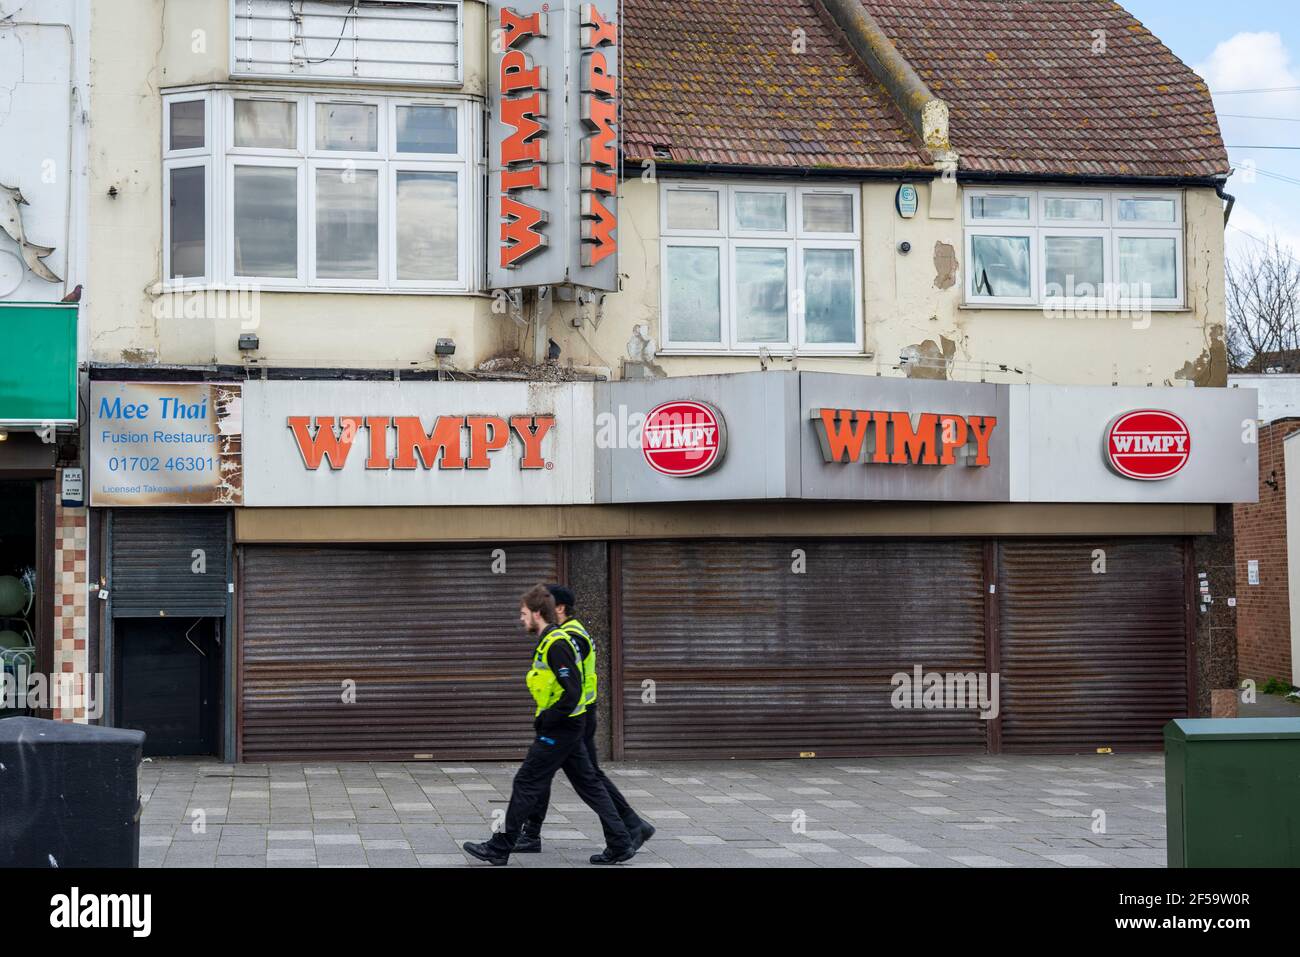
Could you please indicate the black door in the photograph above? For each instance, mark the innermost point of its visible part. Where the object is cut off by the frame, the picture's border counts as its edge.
(168, 682)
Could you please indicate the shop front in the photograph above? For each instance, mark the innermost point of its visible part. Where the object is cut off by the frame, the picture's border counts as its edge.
(38, 421)
(773, 564)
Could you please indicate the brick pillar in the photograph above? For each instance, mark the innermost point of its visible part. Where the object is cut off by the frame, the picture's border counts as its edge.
(71, 603)
(1264, 609)
(1216, 622)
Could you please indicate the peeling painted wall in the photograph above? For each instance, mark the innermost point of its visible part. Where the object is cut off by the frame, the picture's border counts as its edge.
(44, 63)
(908, 303)
(141, 48)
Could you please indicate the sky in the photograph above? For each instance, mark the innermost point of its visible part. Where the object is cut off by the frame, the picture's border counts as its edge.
(1245, 45)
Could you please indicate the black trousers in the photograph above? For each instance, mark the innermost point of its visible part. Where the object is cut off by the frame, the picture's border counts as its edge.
(561, 748)
(629, 817)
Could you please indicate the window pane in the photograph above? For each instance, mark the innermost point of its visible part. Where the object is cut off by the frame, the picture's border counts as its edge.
(1147, 211)
(1147, 267)
(427, 205)
(426, 129)
(347, 126)
(765, 211)
(188, 232)
(694, 294)
(999, 207)
(266, 221)
(827, 213)
(828, 295)
(692, 209)
(762, 301)
(1000, 266)
(347, 224)
(1077, 209)
(186, 125)
(266, 124)
(1076, 266)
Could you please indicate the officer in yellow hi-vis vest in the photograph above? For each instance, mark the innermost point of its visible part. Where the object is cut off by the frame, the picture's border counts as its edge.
(530, 840)
(556, 684)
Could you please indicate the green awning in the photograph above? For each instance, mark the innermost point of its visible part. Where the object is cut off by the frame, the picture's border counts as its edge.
(38, 363)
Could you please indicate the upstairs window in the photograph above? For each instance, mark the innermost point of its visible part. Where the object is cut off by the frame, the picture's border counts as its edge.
(746, 267)
(324, 191)
(1090, 248)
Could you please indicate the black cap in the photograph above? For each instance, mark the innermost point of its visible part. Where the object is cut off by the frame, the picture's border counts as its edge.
(563, 596)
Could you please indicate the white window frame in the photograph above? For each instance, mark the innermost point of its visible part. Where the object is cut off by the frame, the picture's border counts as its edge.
(791, 285)
(801, 320)
(1179, 278)
(723, 207)
(463, 133)
(1066, 232)
(300, 133)
(267, 282)
(220, 157)
(464, 233)
(206, 149)
(724, 289)
(728, 238)
(188, 282)
(381, 252)
(853, 235)
(791, 211)
(188, 159)
(1039, 227)
(381, 128)
(1045, 220)
(1035, 265)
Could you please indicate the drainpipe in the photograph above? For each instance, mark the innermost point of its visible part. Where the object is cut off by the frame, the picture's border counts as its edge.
(1226, 197)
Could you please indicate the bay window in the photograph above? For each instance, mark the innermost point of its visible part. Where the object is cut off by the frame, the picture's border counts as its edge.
(1090, 248)
(748, 266)
(319, 191)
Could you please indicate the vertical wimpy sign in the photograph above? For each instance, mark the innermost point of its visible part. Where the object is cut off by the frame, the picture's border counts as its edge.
(554, 145)
(599, 146)
(522, 106)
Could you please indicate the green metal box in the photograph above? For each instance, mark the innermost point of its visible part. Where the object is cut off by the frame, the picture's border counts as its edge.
(1232, 792)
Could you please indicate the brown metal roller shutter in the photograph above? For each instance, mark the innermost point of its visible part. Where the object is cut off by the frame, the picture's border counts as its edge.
(749, 659)
(430, 636)
(1091, 660)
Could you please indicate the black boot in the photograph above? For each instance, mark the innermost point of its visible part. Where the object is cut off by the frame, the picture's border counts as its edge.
(530, 840)
(609, 856)
(494, 853)
(643, 834)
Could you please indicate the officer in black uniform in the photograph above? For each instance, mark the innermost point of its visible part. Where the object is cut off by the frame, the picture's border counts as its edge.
(558, 743)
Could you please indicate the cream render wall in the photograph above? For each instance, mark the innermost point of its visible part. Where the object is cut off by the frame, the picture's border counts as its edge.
(904, 307)
(141, 48)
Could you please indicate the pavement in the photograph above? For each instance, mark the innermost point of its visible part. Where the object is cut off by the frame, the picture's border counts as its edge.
(967, 811)
(1270, 706)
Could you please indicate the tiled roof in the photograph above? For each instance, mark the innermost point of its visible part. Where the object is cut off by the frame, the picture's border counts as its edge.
(722, 82)
(1031, 88)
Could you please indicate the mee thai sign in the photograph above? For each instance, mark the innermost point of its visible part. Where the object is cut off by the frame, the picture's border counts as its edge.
(553, 144)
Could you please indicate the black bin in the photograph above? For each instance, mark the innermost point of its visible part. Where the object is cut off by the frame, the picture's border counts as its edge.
(69, 794)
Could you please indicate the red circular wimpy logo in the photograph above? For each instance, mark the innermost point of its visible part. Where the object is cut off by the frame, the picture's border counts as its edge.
(683, 438)
(1147, 444)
